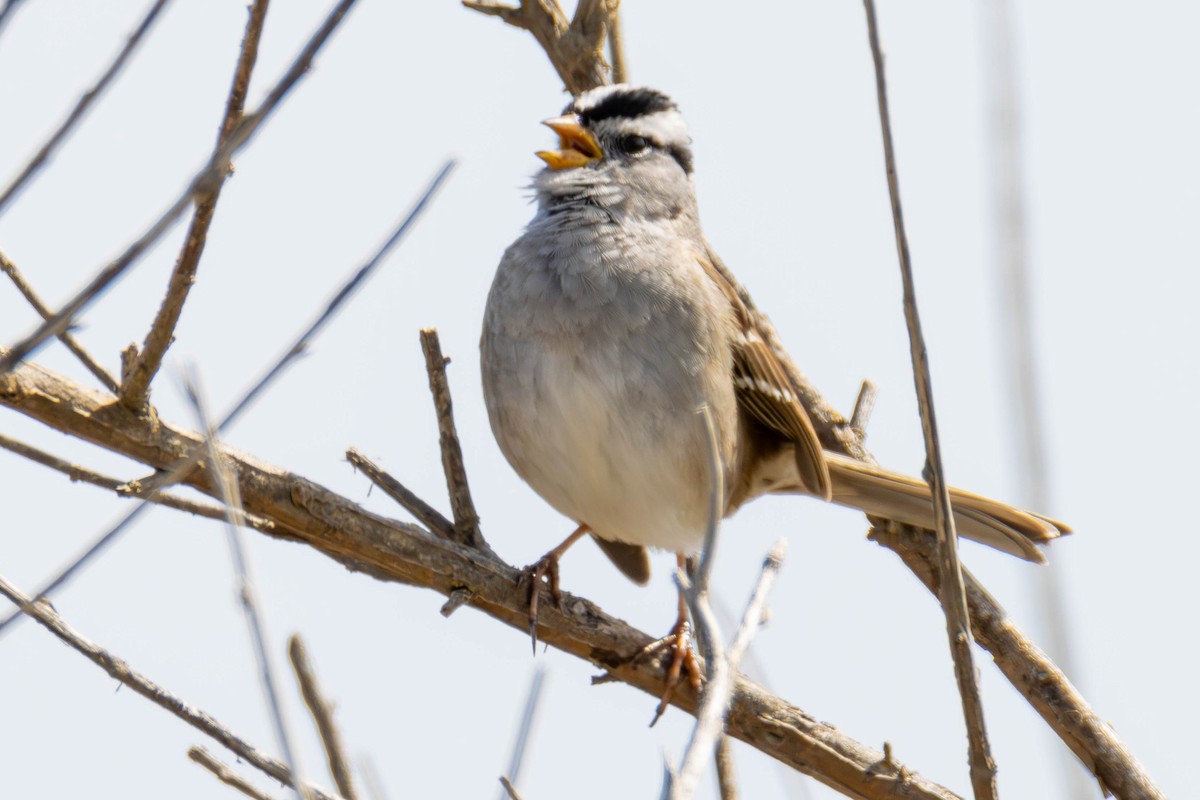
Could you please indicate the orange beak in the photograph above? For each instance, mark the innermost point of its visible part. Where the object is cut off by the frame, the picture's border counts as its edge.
(578, 146)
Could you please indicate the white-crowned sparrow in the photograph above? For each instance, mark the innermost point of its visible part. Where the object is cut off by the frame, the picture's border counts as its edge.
(611, 322)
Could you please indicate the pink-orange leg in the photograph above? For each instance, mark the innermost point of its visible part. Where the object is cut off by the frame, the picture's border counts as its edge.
(683, 656)
(546, 568)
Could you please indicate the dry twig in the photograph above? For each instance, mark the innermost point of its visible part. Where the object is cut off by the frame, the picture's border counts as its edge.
(952, 594)
(64, 336)
(509, 789)
(81, 106)
(575, 48)
(524, 727)
(466, 519)
(224, 774)
(726, 777)
(84, 475)
(140, 367)
(322, 714)
(117, 668)
(425, 513)
(212, 172)
(246, 591)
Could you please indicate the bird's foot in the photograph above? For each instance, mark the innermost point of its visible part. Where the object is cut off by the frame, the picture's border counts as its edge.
(683, 663)
(545, 569)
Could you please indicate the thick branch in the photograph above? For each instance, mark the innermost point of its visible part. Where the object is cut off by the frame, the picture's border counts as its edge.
(389, 550)
(142, 367)
(1027, 668)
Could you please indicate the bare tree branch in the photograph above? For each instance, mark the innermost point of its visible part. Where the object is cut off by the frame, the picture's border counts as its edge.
(48, 618)
(466, 519)
(1029, 669)
(726, 777)
(213, 172)
(524, 728)
(81, 106)
(575, 49)
(952, 594)
(322, 714)
(509, 789)
(64, 336)
(389, 550)
(141, 367)
(224, 774)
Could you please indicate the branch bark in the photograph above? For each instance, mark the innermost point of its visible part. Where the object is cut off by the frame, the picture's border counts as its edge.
(306, 512)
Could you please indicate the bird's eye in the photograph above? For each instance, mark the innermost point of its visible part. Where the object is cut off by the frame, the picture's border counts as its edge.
(633, 143)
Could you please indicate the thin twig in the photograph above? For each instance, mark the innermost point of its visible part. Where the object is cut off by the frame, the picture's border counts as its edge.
(575, 48)
(952, 593)
(117, 668)
(246, 590)
(322, 714)
(213, 171)
(81, 106)
(6, 11)
(616, 45)
(224, 774)
(509, 790)
(370, 779)
(726, 777)
(187, 461)
(466, 519)
(718, 691)
(65, 336)
(84, 475)
(143, 366)
(524, 727)
(425, 513)
(864, 404)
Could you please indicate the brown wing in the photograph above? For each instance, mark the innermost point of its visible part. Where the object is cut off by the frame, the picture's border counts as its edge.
(764, 390)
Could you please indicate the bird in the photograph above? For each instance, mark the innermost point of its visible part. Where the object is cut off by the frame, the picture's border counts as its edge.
(611, 322)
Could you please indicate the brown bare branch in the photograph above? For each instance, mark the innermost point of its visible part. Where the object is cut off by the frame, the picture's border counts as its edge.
(121, 671)
(1031, 672)
(322, 714)
(85, 101)
(224, 774)
(466, 519)
(66, 337)
(575, 49)
(951, 591)
(389, 550)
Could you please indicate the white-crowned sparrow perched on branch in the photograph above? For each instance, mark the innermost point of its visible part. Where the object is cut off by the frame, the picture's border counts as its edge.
(611, 322)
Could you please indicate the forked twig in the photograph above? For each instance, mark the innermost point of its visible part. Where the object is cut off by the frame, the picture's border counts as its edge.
(213, 171)
(81, 106)
(951, 592)
(466, 519)
(64, 336)
(117, 668)
(141, 367)
(224, 774)
(322, 714)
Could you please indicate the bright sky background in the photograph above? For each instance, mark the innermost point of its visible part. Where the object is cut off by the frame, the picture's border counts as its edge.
(781, 105)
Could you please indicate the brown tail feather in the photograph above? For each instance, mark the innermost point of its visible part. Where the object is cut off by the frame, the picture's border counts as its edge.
(896, 496)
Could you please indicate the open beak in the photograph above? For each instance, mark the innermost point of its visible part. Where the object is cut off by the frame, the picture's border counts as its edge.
(579, 147)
